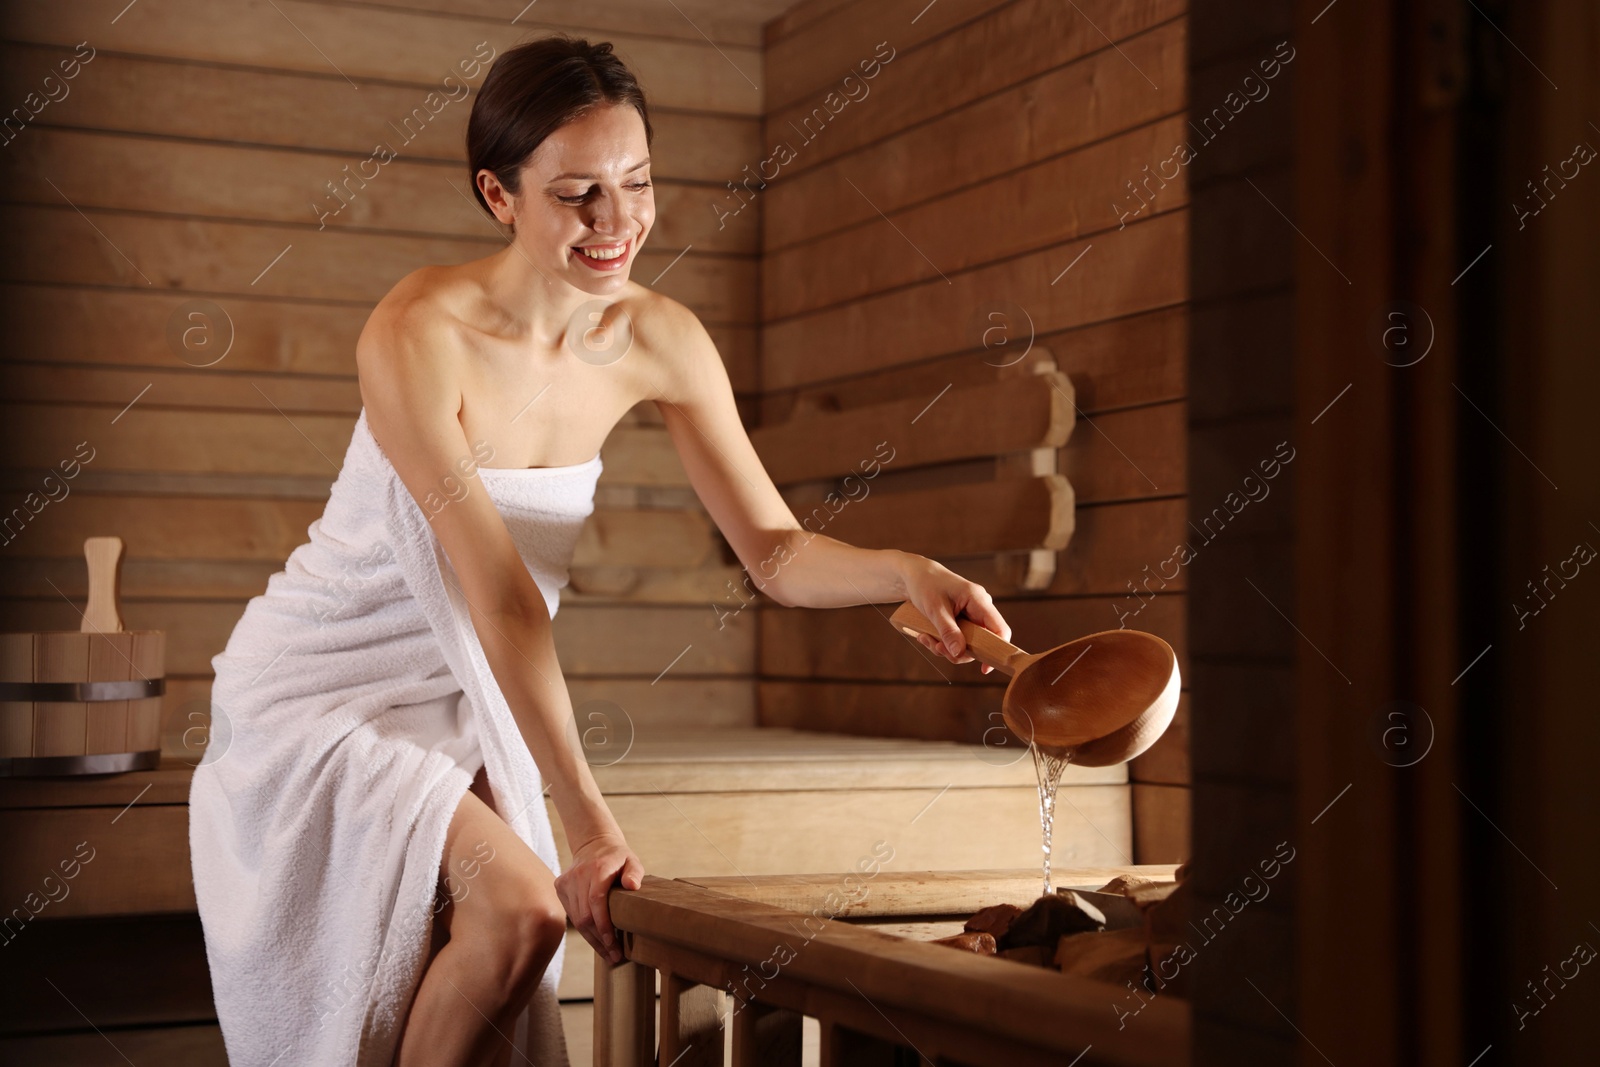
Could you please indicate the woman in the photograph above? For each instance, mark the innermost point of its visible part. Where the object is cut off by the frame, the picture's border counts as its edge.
(532, 355)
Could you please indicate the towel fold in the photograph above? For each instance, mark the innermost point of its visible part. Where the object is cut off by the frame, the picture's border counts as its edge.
(352, 707)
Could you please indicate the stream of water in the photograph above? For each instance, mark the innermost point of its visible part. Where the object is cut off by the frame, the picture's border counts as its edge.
(1048, 765)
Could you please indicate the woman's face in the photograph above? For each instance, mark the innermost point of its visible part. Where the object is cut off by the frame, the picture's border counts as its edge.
(586, 195)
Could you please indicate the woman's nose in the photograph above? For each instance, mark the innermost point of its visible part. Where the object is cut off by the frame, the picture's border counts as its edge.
(606, 215)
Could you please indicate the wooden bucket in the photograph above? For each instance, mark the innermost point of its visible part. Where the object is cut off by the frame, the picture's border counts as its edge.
(85, 701)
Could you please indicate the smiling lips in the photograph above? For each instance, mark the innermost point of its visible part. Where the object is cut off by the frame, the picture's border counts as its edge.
(605, 258)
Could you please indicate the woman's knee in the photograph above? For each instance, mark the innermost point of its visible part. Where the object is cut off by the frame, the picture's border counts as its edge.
(503, 900)
(521, 924)
(511, 914)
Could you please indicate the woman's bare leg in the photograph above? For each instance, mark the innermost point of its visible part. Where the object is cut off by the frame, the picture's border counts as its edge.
(505, 923)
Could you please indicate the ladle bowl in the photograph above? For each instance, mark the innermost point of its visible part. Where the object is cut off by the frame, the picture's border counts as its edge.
(1098, 700)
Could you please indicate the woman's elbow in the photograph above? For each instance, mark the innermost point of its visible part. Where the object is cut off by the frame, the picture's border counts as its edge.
(773, 573)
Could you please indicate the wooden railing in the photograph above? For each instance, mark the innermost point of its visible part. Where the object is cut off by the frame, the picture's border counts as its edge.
(879, 998)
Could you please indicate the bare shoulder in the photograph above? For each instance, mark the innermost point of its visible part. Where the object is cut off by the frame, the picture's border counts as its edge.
(413, 337)
(673, 338)
(658, 317)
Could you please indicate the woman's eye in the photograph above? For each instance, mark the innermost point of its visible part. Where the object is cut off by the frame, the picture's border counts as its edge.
(582, 197)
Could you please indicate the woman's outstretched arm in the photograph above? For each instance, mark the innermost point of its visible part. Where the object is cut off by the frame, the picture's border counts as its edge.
(789, 563)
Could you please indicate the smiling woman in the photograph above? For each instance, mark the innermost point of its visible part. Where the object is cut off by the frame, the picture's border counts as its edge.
(558, 146)
(525, 99)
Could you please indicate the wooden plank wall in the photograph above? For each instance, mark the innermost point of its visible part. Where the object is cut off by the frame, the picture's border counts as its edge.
(983, 163)
(179, 171)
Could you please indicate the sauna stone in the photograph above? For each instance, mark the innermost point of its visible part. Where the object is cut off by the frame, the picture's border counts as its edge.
(996, 919)
(979, 941)
(1127, 884)
(1051, 918)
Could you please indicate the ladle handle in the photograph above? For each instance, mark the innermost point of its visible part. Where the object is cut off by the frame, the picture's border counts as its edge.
(985, 645)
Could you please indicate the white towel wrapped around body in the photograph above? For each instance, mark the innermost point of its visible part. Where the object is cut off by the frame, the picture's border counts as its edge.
(352, 707)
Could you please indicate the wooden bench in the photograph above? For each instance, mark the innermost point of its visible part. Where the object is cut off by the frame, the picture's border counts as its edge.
(774, 945)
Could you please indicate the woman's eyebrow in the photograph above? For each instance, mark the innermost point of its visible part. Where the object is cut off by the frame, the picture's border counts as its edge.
(630, 170)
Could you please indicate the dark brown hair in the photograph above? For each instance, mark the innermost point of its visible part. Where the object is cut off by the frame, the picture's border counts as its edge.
(533, 90)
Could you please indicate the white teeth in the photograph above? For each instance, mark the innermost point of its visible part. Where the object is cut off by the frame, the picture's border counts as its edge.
(603, 253)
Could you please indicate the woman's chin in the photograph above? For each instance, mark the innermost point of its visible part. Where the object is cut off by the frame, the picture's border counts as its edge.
(597, 284)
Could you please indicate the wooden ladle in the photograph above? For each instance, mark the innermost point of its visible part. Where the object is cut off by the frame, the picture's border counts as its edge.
(1101, 699)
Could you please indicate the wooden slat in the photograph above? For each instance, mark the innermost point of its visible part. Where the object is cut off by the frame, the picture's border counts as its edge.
(720, 760)
(653, 538)
(692, 20)
(959, 520)
(128, 327)
(167, 529)
(55, 245)
(379, 43)
(978, 224)
(624, 1012)
(168, 784)
(193, 1046)
(687, 701)
(691, 1027)
(107, 327)
(766, 1035)
(140, 864)
(1122, 363)
(1132, 270)
(1011, 415)
(1115, 96)
(307, 111)
(813, 44)
(798, 15)
(1167, 761)
(1126, 362)
(596, 640)
(927, 379)
(642, 455)
(1129, 455)
(149, 439)
(155, 440)
(816, 832)
(228, 181)
(1161, 823)
(705, 585)
(187, 388)
(1034, 36)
